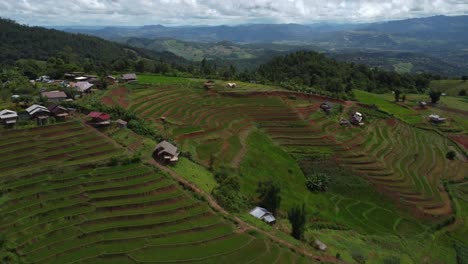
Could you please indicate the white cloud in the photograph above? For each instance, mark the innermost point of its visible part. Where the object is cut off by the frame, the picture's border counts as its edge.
(215, 12)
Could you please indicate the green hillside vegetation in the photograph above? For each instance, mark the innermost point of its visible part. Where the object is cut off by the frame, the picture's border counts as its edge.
(69, 203)
(260, 135)
(450, 87)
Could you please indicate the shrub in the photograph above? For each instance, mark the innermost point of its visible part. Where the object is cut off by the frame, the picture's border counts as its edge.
(462, 93)
(297, 217)
(358, 257)
(318, 182)
(228, 194)
(451, 155)
(270, 195)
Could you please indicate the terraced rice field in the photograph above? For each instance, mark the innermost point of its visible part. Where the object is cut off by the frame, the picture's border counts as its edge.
(91, 213)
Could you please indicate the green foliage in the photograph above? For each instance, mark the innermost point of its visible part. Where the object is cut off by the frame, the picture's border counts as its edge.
(318, 182)
(358, 257)
(269, 195)
(462, 93)
(227, 193)
(297, 216)
(451, 155)
(435, 96)
(313, 72)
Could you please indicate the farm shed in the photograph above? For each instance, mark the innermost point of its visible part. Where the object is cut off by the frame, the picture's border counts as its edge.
(100, 119)
(8, 117)
(121, 123)
(58, 111)
(39, 112)
(81, 78)
(129, 77)
(326, 106)
(54, 96)
(320, 245)
(208, 84)
(437, 119)
(356, 119)
(231, 85)
(110, 79)
(83, 87)
(166, 152)
(263, 214)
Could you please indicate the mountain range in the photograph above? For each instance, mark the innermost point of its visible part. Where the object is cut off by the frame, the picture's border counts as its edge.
(436, 44)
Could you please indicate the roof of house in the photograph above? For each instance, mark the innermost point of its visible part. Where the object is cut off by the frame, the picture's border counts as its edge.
(110, 77)
(262, 213)
(4, 114)
(129, 76)
(54, 94)
(121, 122)
(35, 108)
(99, 115)
(81, 78)
(55, 108)
(167, 147)
(326, 105)
(83, 86)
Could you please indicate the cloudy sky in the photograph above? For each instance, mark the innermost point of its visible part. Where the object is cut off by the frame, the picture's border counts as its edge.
(216, 12)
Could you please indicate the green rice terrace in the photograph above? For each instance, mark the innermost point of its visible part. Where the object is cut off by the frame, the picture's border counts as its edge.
(392, 197)
(64, 203)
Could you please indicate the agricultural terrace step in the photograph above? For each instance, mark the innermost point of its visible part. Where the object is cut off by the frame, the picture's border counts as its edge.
(150, 190)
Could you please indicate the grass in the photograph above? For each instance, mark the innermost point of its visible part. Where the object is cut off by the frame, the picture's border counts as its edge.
(450, 87)
(160, 79)
(401, 112)
(196, 174)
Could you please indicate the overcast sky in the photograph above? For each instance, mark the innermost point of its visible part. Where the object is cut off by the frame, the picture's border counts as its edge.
(217, 12)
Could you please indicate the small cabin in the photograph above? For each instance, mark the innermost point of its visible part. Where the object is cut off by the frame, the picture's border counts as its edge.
(129, 77)
(209, 84)
(263, 214)
(58, 111)
(422, 104)
(326, 106)
(8, 117)
(231, 85)
(356, 119)
(99, 119)
(54, 96)
(166, 152)
(121, 123)
(38, 112)
(437, 119)
(111, 79)
(83, 86)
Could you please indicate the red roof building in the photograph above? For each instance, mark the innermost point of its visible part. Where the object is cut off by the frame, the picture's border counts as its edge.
(99, 118)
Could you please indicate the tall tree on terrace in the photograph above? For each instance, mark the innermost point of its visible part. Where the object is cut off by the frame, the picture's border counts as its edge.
(269, 195)
(298, 217)
(435, 96)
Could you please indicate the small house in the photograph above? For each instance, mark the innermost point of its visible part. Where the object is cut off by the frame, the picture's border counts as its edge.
(121, 123)
(38, 112)
(166, 152)
(129, 77)
(344, 122)
(8, 117)
(231, 85)
(422, 104)
(99, 119)
(54, 96)
(263, 214)
(69, 76)
(110, 79)
(58, 111)
(83, 87)
(326, 106)
(43, 78)
(437, 119)
(319, 245)
(356, 119)
(208, 84)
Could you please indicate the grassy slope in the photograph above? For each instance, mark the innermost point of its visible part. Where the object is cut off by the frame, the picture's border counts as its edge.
(450, 87)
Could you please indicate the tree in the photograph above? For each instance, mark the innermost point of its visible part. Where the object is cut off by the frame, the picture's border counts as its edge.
(397, 95)
(269, 195)
(435, 96)
(451, 155)
(464, 78)
(318, 182)
(462, 93)
(297, 217)
(403, 98)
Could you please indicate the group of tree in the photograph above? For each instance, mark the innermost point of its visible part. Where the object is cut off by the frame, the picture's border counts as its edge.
(312, 71)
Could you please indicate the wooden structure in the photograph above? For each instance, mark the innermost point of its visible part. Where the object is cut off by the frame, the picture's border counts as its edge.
(99, 119)
(121, 123)
(263, 214)
(58, 111)
(129, 77)
(327, 107)
(208, 84)
(38, 112)
(54, 96)
(166, 153)
(8, 117)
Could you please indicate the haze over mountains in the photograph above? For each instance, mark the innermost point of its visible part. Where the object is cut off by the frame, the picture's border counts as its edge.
(436, 44)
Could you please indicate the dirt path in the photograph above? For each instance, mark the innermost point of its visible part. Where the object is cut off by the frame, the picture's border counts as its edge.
(236, 161)
(242, 225)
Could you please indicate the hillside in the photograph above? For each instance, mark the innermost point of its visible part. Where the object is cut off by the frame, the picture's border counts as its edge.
(24, 42)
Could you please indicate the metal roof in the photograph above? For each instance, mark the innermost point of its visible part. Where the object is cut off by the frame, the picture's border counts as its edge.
(99, 115)
(83, 86)
(263, 214)
(34, 108)
(7, 113)
(54, 94)
(167, 147)
(129, 76)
